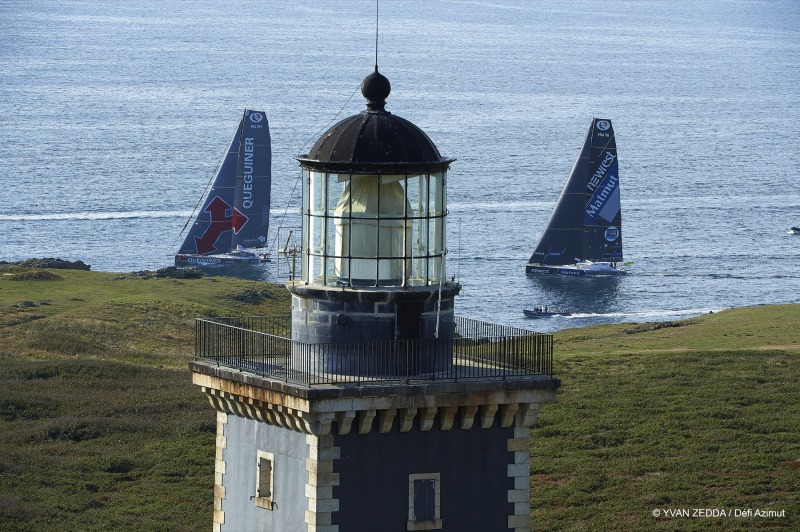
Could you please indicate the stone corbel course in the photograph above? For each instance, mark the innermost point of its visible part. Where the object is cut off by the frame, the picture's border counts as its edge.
(460, 410)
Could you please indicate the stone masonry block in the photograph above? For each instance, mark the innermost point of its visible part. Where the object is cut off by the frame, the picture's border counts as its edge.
(518, 445)
(519, 470)
(314, 518)
(320, 466)
(329, 453)
(519, 522)
(316, 478)
(324, 528)
(319, 492)
(522, 457)
(322, 506)
(523, 495)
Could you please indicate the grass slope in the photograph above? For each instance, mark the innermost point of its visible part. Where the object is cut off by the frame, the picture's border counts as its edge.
(102, 428)
(698, 414)
(120, 317)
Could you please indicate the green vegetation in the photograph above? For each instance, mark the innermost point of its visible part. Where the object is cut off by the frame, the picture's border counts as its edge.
(103, 430)
(697, 414)
(126, 318)
(99, 445)
(102, 427)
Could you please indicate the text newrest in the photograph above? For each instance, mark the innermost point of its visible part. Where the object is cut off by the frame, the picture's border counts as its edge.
(601, 172)
(247, 193)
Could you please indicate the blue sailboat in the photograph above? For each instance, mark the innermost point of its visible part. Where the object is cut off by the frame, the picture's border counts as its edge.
(232, 225)
(584, 234)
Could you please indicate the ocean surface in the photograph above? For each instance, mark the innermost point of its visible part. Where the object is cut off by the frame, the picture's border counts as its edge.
(114, 116)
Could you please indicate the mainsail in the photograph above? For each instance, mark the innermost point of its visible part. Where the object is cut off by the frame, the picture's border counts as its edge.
(235, 214)
(586, 224)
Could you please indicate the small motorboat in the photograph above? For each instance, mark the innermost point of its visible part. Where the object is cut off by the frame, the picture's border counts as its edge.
(545, 312)
(795, 230)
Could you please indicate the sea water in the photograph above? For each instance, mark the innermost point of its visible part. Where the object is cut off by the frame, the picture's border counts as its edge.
(114, 116)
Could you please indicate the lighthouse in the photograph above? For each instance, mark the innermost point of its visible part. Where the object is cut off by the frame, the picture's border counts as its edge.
(373, 406)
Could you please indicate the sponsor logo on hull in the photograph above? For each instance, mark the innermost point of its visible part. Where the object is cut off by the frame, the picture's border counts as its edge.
(555, 270)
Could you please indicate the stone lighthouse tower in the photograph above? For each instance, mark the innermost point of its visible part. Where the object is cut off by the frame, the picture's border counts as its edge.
(373, 407)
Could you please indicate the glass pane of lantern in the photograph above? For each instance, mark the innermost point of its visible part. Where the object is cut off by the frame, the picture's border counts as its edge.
(423, 188)
(306, 177)
(304, 255)
(317, 238)
(316, 267)
(330, 248)
(422, 250)
(305, 210)
(434, 250)
(412, 195)
(436, 191)
(317, 250)
(336, 184)
(318, 200)
(411, 186)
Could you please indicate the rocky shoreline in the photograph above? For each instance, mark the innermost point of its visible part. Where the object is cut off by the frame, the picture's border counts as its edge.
(171, 272)
(49, 262)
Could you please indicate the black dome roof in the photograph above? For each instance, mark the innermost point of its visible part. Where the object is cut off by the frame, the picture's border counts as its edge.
(375, 140)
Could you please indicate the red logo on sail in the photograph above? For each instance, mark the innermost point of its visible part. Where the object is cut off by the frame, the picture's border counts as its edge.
(220, 222)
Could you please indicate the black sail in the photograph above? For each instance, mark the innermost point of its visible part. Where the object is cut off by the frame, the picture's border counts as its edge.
(586, 223)
(236, 210)
(603, 212)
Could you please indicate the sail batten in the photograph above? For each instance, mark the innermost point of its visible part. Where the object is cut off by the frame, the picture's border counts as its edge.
(586, 224)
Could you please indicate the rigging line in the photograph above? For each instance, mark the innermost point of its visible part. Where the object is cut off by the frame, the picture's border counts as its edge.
(377, 19)
(294, 188)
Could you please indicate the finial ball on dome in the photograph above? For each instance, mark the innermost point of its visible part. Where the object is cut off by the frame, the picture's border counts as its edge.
(376, 89)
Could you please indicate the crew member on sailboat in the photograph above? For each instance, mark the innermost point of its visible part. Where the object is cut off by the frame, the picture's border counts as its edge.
(584, 234)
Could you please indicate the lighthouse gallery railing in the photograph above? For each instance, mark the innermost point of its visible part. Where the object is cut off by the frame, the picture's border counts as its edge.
(262, 345)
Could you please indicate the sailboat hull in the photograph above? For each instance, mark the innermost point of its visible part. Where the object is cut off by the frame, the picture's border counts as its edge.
(578, 270)
(221, 259)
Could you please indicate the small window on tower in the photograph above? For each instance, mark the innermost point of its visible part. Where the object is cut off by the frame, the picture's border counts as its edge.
(264, 480)
(423, 502)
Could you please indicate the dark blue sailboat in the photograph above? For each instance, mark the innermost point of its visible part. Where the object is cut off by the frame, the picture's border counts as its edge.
(584, 234)
(232, 225)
